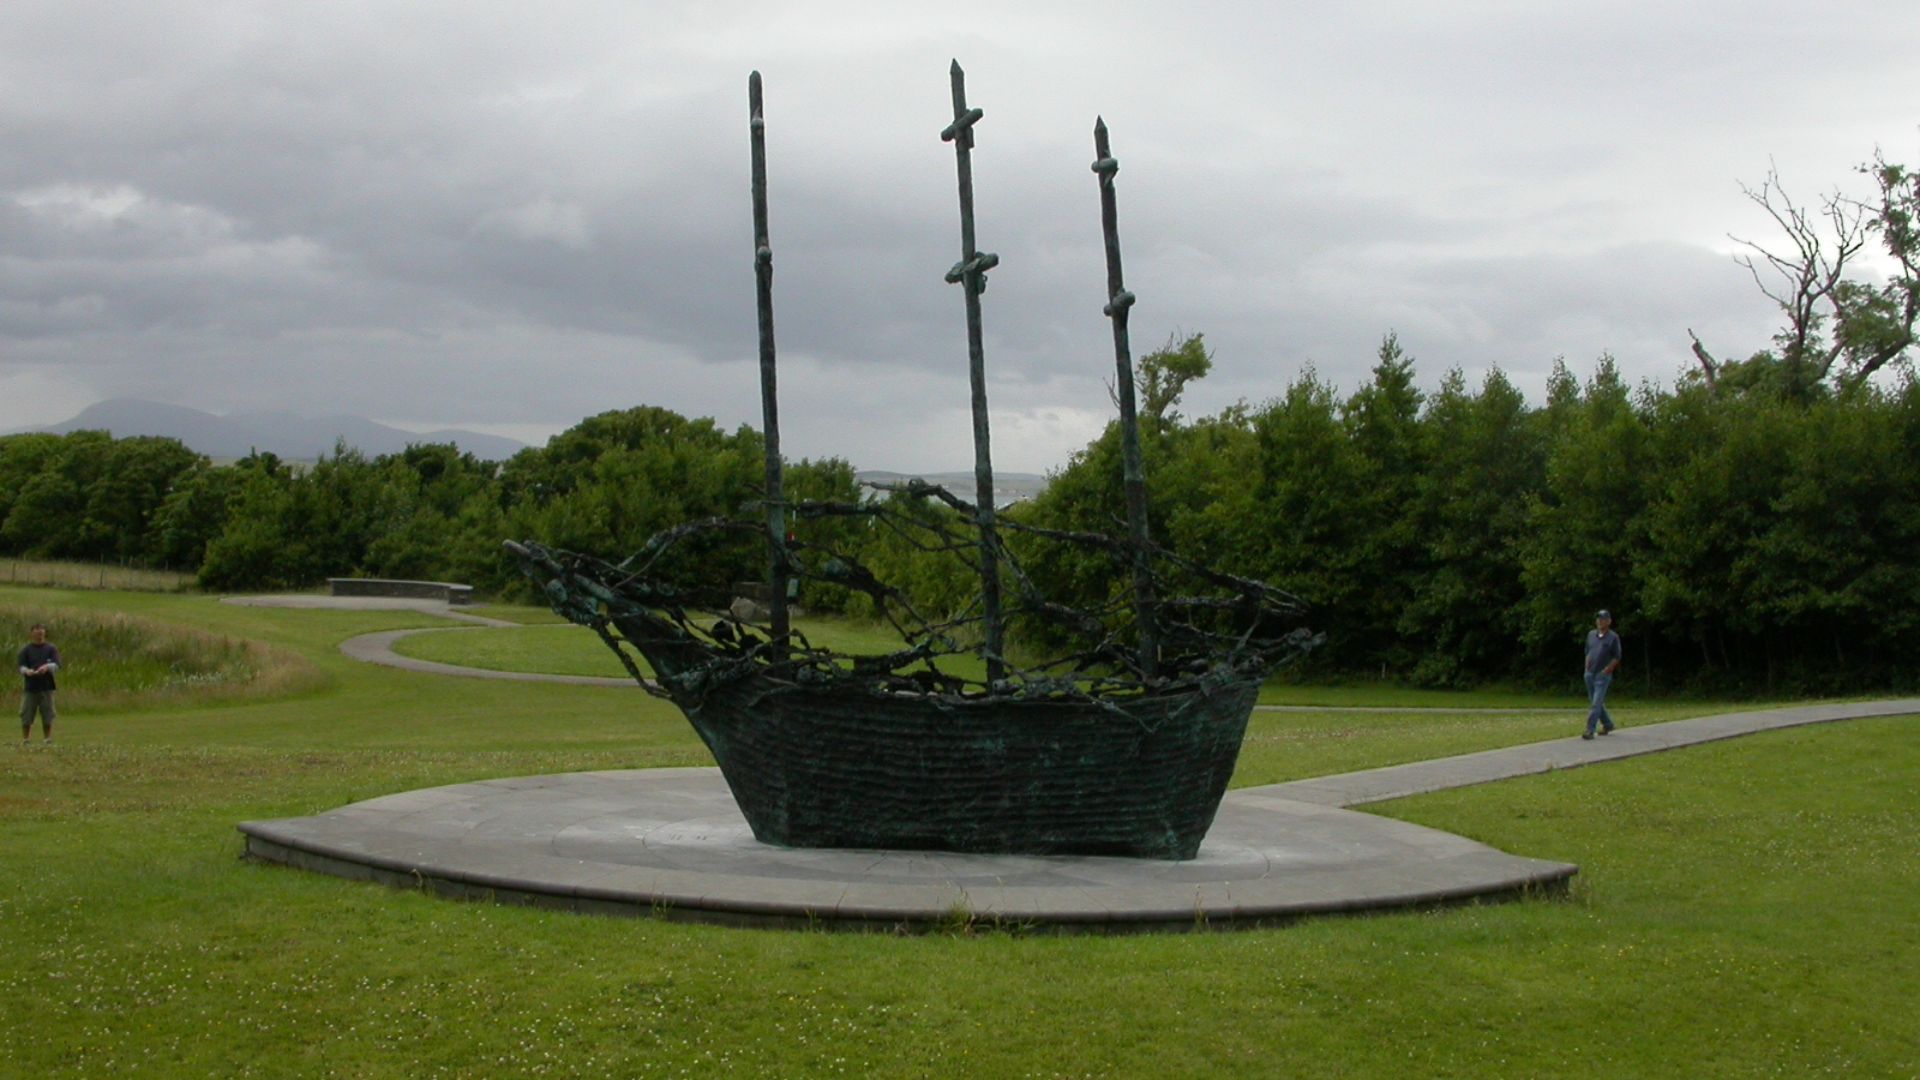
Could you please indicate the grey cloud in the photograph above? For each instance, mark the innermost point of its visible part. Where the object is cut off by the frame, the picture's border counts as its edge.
(480, 214)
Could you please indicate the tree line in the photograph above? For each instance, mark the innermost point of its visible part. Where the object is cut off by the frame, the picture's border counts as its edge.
(1746, 538)
(1754, 526)
(431, 512)
(1747, 534)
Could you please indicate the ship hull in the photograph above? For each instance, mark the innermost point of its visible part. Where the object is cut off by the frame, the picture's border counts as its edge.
(1140, 776)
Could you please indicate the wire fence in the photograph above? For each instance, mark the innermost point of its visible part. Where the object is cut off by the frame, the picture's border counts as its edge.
(82, 575)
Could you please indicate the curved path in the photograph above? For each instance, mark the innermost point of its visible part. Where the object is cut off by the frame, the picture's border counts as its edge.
(671, 842)
(377, 648)
(316, 601)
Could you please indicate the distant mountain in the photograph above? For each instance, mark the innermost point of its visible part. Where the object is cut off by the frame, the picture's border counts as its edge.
(1008, 487)
(288, 435)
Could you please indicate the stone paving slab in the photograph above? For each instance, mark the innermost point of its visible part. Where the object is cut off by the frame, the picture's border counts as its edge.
(672, 842)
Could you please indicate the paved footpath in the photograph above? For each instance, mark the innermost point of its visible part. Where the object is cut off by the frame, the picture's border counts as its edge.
(377, 648)
(1347, 789)
(671, 841)
(1394, 781)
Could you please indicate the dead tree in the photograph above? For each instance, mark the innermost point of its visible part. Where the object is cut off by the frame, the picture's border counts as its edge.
(1838, 328)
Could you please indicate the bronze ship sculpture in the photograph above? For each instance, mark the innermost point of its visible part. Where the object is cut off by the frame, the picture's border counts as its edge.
(1120, 741)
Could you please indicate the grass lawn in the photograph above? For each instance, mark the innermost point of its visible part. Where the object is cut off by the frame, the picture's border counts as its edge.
(1279, 692)
(545, 642)
(1277, 748)
(557, 647)
(1745, 908)
(77, 575)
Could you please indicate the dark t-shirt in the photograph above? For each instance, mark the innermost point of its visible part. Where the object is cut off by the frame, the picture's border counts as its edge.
(1602, 651)
(32, 657)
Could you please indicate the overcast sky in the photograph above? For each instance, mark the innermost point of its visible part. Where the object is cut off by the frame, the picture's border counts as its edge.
(511, 216)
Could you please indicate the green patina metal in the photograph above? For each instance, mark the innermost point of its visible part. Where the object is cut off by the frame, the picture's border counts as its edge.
(1117, 739)
(1077, 751)
(769, 382)
(970, 273)
(1133, 467)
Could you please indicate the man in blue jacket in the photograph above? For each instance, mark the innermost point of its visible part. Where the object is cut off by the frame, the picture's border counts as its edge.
(1603, 659)
(38, 661)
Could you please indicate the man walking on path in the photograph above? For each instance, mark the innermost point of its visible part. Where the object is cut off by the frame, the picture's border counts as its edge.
(1603, 659)
(38, 661)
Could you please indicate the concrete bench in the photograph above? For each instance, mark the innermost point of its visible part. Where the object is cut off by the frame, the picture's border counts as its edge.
(416, 590)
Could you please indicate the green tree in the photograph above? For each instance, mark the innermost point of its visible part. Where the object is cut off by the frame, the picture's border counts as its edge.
(1198, 488)
(1484, 461)
(123, 501)
(1383, 420)
(22, 458)
(1839, 549)
(1839, 329)
(196, 510)
(49, 515)
(262, 545)
(613, 480)
(287, 530)
(341, 506)
(1308, 480)
(1162, 375)
(1587, 523)
(1720, 462)
(437, 517)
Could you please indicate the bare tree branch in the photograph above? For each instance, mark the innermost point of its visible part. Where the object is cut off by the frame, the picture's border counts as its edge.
(1707, 363)
(1811, 273)
(1888, 315)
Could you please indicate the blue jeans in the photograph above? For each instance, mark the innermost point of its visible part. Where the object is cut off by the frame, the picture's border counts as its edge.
(1597, 683)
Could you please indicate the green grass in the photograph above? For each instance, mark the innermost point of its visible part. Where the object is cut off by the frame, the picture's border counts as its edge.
(561, 648)
(1380, 695)
(1295, 746)
(77, 575)
(1744, 909)
(114, 661)
(520, 613)
(1277, 748)
(547, 643)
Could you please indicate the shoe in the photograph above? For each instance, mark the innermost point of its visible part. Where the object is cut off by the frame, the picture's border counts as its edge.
(1588, 735)
(1606, 731)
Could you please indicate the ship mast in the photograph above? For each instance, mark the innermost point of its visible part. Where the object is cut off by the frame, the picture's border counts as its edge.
(769, 383)
(971, 274)
(1134, 471)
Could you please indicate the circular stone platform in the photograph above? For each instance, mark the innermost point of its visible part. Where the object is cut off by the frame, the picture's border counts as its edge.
(671, 842)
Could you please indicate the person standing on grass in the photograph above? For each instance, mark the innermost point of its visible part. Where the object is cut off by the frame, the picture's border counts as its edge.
(38, 661)
(1603, 659)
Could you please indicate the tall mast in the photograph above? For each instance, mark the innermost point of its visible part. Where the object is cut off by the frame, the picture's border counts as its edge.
(971, 274)
(1134, 471)
(769, 383)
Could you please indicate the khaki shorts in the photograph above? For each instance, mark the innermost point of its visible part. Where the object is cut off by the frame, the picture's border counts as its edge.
(40, 700)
